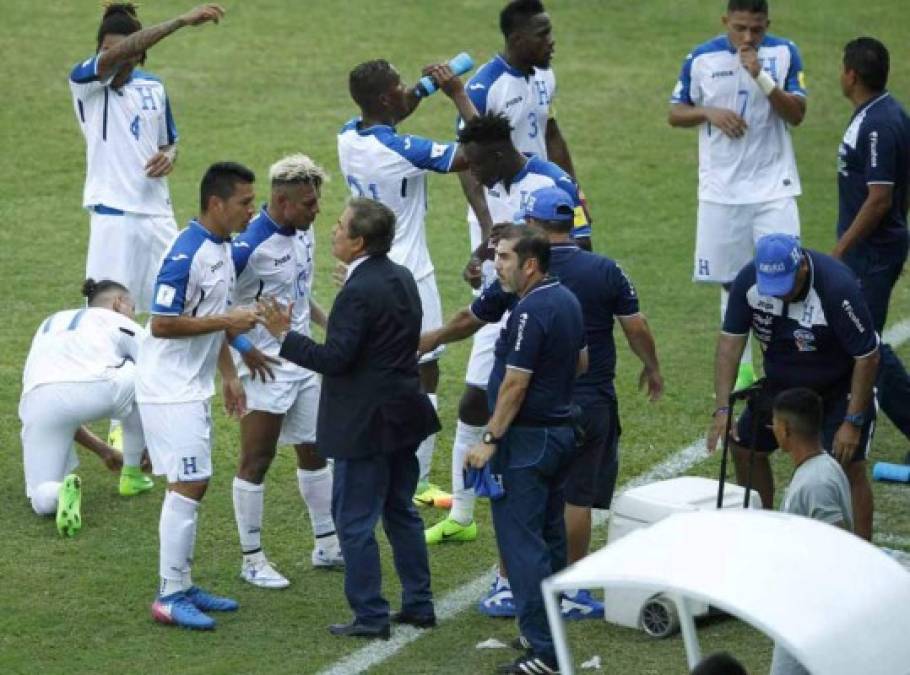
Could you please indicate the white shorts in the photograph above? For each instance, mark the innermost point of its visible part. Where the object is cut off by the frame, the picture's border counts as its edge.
(128, 249)
(297, 400)
(52, 413)
(432, 312)
(179, 439)
(480, 363)
(726, 235)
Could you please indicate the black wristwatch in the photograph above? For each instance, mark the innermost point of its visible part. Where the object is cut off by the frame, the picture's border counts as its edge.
(856, 419)
(489, 438)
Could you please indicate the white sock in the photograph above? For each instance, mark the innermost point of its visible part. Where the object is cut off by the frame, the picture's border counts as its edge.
(316, 490)
(502, 582)
(133, 438)
(746, 359)
(248, 503)
(466, 436)
(188, 572)
(44, 498)
(427, 447)
(177, 535)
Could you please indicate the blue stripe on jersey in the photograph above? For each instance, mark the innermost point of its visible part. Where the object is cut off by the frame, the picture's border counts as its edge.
(478, 87)
(172, 134)
(260, 228)
(421, 152)
(350, 125)
(682, 93)
(174, 274)
(138, 74)
(561, 179)
(87, 71)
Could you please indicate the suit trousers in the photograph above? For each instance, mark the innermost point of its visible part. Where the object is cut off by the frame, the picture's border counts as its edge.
(363, 490)
(530, 520)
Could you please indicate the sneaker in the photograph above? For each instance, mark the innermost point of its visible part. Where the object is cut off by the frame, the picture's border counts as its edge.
(745, 377)
(450, 529)
(261, 573)
(520, 643)
(527, 664)
(429, 494)
(134, 482)
(207, 602)
(498, 603)
(69, 505)
(115, 437)
(177, 610)
(327, 559)
(582, 606)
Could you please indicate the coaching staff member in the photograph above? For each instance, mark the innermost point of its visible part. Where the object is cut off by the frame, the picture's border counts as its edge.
(529, 439)
(372, 416)
(808, 312)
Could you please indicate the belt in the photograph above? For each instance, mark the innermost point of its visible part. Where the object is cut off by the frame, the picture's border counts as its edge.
(106, 210)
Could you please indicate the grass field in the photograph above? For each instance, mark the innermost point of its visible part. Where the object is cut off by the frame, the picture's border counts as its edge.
(272, 79)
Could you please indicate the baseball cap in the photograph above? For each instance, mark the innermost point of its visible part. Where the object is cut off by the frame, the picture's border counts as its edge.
(777, 259)
(550, 204)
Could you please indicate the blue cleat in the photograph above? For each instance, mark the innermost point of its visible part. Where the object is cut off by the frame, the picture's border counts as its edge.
(499, 602)
(177, 610)
(207, 602)
(581, 606)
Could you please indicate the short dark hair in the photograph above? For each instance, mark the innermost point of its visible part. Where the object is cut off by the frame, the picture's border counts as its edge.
(869, 59)
(220, 180)
(528, 244)
(375, 222)
(92, 290)
(516, 14)
(719, 663)
(369, 80)
(555, 226)
(802, 409)
(752, 6)
(119, 18)
(488, 129)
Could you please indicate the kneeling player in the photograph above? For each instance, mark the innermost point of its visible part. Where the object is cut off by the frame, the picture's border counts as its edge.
(79, 370)
(274, 258)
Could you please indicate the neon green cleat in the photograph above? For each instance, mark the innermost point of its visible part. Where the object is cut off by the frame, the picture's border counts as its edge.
(745, 377)
(134, 482)
(428, 494)
(69, 505)
(450, 530)
(115, 436)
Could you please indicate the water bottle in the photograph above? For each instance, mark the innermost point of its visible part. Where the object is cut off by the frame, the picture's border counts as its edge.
(459, 65)
(898, 473)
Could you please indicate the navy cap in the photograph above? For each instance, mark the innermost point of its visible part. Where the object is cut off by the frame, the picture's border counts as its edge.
(550, 203)
(777, 260)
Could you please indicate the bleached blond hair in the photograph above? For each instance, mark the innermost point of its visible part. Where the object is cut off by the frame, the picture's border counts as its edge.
(297, 168)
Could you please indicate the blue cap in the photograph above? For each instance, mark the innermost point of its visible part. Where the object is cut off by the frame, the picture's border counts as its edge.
(485, 484)
(777, 260)
(550, 203)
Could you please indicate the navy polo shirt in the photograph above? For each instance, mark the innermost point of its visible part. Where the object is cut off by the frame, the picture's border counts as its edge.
(811, 342)
(543, 336)
(875, 150)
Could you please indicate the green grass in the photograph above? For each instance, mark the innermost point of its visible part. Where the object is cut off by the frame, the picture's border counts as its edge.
(272, 79)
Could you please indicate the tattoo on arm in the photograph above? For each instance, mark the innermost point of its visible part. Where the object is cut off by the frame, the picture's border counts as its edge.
(135, 44)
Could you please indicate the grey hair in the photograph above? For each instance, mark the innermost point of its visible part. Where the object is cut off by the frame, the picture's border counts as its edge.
(297, 168)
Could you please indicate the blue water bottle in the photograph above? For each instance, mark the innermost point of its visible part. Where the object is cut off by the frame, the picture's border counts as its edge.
(898, 473)
(459, 65)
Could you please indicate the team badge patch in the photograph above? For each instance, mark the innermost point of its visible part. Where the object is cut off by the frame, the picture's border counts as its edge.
(165, 295)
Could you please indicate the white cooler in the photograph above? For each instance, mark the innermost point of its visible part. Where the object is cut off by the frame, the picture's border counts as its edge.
(643, 506)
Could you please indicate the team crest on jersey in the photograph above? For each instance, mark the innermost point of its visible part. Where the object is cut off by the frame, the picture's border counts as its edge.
(805, 340)
(437, 150)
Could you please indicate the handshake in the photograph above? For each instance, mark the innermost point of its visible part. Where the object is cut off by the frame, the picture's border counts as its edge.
(274, 317)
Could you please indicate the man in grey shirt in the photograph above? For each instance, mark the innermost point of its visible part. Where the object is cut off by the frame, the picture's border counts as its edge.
(819, 488)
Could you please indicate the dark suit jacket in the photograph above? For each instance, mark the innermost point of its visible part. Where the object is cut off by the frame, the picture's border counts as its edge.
(371, 400)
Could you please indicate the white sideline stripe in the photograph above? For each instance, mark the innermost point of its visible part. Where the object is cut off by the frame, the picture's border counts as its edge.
(463, 597)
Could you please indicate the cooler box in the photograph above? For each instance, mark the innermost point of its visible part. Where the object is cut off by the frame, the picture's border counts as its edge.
(642, 506)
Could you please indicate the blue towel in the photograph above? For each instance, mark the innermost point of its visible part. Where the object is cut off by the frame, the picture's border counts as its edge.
(484, 483)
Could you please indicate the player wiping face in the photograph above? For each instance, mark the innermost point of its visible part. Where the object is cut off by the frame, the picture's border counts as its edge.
(745, 30)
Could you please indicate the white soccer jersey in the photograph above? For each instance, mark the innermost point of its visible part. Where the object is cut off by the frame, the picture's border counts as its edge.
(81, 345)
(196, 278)
(123, 128)
(760, 166)
(274, 262)
(381, 164)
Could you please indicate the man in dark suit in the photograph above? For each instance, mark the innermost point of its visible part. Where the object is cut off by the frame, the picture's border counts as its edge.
(372, 416)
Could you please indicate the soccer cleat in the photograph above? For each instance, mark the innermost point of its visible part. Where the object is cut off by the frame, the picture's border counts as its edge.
(134, 482)
(499, 602)
(115, 436)
(582, 606)
(450, 529)
(206, 602)
(529, 665)
(520, 643)
(69, 505)
(176, 609)
(261, 573)
(745, 377)
(327, 559)
(429, 494)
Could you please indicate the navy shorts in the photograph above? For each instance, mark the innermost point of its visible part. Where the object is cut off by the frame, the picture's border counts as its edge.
(592, 474)
(834, 409)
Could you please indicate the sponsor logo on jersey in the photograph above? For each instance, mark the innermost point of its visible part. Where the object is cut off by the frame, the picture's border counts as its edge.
(282, 260)
(472, 87)
(522, 322)
(848, 308)
(217, 266)
(722, 73)
(179, 257)
(513, 101)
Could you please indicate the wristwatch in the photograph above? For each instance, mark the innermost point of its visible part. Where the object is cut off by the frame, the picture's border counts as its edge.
(856, 419)
(489, 438)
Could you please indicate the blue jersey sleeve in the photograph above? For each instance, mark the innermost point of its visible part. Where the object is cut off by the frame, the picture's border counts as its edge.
(623, 292)
(530, 335)
(738, 319)
(171, 127)
(850, 319)
(796, 79)
(424, 153)
(493, 303)
(879, 149)
(171, 284)
(240, 253)
(682, 92)
(85, 72)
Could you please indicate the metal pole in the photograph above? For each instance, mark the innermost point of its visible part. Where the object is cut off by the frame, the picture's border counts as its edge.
(687, 624)
(557, 627)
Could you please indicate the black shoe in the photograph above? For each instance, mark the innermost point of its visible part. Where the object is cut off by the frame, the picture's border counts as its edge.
(528, 665)
(355, 629)
(416, 620)
(520, 643)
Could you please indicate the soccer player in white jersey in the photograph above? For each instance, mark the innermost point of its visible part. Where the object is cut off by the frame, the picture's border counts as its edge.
(176, 379)
(743, 90)
(79, 369)
(130, 138)
(273, 258)
(379, 163)
(509, 178)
